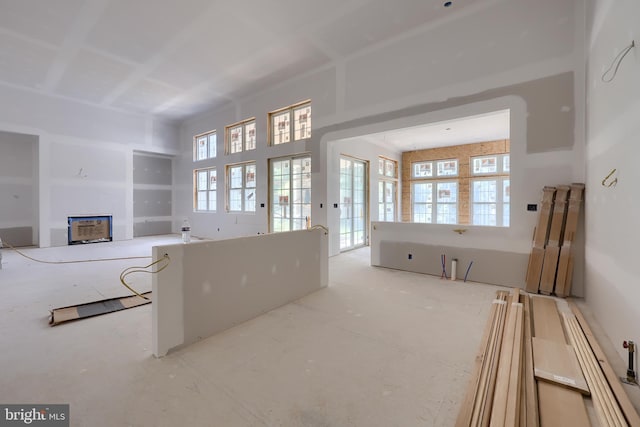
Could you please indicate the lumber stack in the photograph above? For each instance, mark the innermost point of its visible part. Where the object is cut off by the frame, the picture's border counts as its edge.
(607, 409)
(612, 380)
(502, 388)
(559, 406)
(527, 375)
(551, 261)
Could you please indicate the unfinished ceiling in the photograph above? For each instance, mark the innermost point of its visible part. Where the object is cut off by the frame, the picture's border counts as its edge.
(175, 59)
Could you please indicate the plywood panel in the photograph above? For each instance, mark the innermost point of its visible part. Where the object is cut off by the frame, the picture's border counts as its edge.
(557, 363)
(559, 406)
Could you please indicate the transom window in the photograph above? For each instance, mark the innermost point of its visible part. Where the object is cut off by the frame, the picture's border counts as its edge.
(289, 124)
(241, 187)
(241, 136)
(204, 146)
(205, 197)
(447, 167)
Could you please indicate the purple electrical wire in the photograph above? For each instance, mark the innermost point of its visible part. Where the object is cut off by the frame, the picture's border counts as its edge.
(467, 273)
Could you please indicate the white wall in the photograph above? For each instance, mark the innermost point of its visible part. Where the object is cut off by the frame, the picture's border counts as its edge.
(208, 287)
(613, 109)
(85, 157)
(18, 188)
(534, 59)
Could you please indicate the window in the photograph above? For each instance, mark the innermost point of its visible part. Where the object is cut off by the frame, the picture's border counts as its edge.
(422, 202)
(290, 193)
(204, 146)
(422, 169)
(444, 203)
(447, 167)
(490, 195)
(387, 189)
(290, 124)
(241, 187)
(447, 203)
(240, 136)
(205, 190)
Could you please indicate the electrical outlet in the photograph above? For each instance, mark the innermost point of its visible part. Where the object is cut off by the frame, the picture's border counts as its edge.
(532, 207)
(410, 256)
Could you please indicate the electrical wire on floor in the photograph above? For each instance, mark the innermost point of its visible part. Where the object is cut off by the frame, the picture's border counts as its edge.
(5, 243)
(131, 270)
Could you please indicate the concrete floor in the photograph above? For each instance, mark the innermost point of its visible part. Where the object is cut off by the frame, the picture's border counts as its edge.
(377, 347)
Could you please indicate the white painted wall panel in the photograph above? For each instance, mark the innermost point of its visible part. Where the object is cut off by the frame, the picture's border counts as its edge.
(612, 133)
(210, 286)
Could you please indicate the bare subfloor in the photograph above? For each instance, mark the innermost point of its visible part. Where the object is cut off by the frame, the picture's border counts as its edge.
(377, 347)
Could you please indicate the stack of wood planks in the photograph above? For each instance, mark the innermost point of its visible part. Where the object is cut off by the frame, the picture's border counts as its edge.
(502, 389)
(611, 402)
(551, 260)
(525, 373)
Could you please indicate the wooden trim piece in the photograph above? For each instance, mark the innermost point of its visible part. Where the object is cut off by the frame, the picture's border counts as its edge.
(484, 408)
(466, 410)
(480, 386)
(530, 417)
(503, 398)
(621, 396)
(540, 237)
(512, 415)
(565, 263)
(552, 250)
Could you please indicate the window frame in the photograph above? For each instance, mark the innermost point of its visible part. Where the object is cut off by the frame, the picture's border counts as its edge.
(500, 203)
(207, 191)
(210, 146)
(290, 134)
(290, 196)
(244, 188)
(501, 175)
(244, 143)
(429, 173)
(443, 175)
(502, 160)
(385, 179)
(434, 203)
